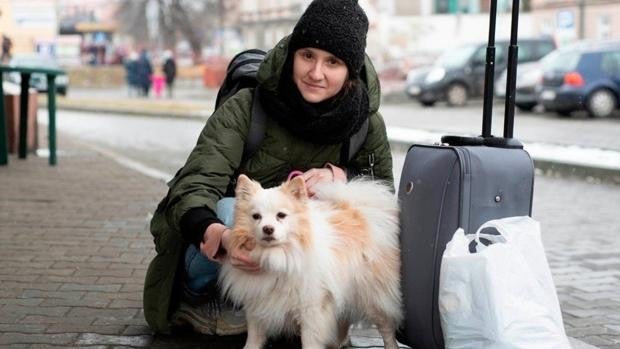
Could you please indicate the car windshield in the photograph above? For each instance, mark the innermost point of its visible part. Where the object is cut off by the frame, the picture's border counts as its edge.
(560, 60)
(456, 58)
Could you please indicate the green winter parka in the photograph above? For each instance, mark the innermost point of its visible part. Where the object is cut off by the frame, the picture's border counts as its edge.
(217, 159)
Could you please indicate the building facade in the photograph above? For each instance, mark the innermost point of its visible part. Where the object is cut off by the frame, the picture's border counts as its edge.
(87, 30)
(263, 22)
(31, 25)
(570, 20)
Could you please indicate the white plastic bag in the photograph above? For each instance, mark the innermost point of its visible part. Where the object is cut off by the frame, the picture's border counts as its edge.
(502, 296)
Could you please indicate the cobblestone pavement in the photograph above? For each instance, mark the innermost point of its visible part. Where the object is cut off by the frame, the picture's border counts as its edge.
(74, 247)
(581, 232)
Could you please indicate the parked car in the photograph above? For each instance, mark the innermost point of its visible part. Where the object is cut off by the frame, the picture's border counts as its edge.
(529, 78)
(415, 79)
(582, 77)
(458, 74)
(39, 81)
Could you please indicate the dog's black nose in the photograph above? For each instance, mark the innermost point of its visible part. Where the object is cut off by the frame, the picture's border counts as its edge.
(268, 230)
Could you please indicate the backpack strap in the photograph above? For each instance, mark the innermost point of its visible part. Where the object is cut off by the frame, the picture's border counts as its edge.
(354, 143)
(258, 124)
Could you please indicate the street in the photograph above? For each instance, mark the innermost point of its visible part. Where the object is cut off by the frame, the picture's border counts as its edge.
(165, 143)
(579, 219)
(535, 126)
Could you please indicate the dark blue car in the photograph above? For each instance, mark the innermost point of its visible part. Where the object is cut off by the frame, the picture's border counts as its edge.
(585, 76)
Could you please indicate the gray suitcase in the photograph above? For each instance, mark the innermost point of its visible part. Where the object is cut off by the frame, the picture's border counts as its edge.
(464, 182)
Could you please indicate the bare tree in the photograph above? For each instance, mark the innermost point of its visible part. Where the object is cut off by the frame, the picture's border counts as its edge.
(167, 30)
(187, 26)
(192, 20)
(132, 19)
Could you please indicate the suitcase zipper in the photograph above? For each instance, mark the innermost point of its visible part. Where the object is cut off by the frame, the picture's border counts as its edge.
(465, 192)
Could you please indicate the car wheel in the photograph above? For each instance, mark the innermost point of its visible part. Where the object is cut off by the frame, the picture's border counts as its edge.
(427, 103)
(526, 106)
(456, 95)
(601, 103)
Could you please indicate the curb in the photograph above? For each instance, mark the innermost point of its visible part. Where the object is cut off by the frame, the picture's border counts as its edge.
(202, 115)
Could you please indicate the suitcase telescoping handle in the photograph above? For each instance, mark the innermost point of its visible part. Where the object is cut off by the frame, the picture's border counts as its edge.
(511, 80)
(489, 78)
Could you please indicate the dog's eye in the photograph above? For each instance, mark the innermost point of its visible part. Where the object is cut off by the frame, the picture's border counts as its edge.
(281, 215)
(256, 216)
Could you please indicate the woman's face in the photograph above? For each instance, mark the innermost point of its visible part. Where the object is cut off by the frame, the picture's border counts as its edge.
(318, 74)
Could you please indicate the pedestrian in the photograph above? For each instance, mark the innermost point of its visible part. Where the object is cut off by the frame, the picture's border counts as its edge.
(158, 80)
(170, 70)
(144, 70)
(7, 45)
(131, 74)
(317, 88)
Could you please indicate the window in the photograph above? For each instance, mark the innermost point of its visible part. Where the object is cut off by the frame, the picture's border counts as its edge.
(603, 27)
(543, 48)
(562, 60)
(526, 52)
(610, 63)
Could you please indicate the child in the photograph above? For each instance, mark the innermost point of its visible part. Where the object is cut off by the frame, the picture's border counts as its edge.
(159, 82)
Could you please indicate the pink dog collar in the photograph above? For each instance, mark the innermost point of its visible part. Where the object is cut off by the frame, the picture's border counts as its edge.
(294, 174)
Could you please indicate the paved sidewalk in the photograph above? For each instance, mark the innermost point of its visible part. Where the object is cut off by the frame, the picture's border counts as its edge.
(74, 247)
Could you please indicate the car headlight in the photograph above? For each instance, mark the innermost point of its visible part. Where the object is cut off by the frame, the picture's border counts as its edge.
(436, 74)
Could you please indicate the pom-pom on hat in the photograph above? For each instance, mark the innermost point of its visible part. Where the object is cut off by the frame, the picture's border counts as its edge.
(336, 26)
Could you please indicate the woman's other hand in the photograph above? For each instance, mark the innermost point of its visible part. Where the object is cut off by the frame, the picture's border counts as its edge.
(330, 173)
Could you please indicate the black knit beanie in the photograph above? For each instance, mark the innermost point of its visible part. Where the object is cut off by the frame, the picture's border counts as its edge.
(336, 26)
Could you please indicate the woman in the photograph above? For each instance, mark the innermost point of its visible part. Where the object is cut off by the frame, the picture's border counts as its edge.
(317, 89)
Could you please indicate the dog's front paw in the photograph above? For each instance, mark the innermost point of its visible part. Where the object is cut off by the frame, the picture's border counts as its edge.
(243, 239)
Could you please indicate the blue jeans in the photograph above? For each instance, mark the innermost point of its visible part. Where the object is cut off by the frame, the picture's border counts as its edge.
(199, 270)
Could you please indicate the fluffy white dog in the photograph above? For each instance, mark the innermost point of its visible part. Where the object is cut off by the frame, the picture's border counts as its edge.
(326, 262)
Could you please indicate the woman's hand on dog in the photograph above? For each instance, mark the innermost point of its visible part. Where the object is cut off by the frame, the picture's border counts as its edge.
(239, 256)
(329, 173)
(216, 245)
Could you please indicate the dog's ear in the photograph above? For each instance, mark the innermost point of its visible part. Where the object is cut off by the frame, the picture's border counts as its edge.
(297, 188)
(245, 187)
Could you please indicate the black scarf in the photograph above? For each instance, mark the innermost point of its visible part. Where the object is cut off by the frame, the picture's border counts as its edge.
(332, 121)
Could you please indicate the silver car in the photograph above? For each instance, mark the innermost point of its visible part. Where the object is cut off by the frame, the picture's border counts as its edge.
(529, 78)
